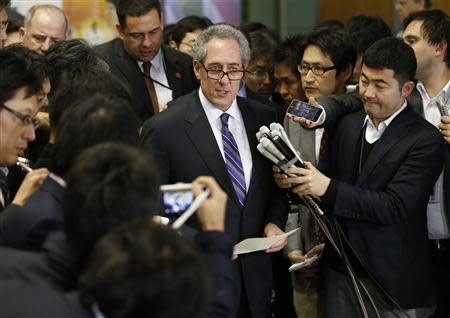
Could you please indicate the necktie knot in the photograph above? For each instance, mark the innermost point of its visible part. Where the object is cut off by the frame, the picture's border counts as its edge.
(224, 118)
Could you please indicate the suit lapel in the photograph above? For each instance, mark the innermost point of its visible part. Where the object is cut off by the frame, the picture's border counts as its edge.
(174, 77)
(391, 136)
(200, 133)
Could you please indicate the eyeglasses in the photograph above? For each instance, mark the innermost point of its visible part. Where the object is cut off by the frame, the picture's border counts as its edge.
(3, 25)
(25, 119)
(316, 69)
(260, 72)
(219, 74)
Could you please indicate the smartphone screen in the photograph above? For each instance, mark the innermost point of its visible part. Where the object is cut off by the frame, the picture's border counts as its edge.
(302, 109)
(176, 198)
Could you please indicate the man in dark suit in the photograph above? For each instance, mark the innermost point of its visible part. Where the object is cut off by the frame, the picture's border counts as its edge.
(215, 135)
(139, 51)
(384, 164)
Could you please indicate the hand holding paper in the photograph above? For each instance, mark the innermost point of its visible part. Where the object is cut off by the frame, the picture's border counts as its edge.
(259, 244)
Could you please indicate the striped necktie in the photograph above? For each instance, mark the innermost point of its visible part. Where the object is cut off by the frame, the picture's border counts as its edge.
(233, 160)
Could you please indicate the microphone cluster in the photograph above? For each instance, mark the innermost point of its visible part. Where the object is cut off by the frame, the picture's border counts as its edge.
(274, 144)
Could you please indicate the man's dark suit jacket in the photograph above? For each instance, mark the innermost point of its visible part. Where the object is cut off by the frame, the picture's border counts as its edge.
(27, 227)
(383, 212)
(179, 72)
(183, 146)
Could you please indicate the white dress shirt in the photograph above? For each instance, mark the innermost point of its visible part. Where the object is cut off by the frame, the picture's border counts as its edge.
(374, 133)
(237, 128)
(436, 217)
(2, 199)
(158, 73)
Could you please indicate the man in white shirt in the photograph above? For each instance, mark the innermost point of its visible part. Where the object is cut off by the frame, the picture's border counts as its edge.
(212, 132)
(378, 175)
(155, 73)
(428, 33)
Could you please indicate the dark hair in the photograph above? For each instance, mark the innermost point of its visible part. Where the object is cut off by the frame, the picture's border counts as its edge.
(167, 33)
(435, 27)
(76, 87)
(335, 43)
(135, 8)
(366, 30)
(289, 52)
(393, 54)
(14, 75)
(4, 4)
(36, 62)
(72, 57)
(333, 24)
(93, 120)
(262, 44)
(189, 24)
(108, 185)
(151, 272)
(251, 27)
(13, 26)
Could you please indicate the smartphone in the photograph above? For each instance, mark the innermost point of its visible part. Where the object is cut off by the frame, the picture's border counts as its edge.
(302, 109)
(177, 198)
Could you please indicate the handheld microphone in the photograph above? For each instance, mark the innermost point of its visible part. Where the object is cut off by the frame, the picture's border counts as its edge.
(263, 132)
(270, 147)
(267, 154)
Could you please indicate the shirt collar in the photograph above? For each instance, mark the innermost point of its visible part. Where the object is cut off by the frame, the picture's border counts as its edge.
(213, 113)
(386, 122)
(443, 95)
(157, 62)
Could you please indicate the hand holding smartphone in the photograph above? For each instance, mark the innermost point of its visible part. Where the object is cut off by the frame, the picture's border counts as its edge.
(301, 109)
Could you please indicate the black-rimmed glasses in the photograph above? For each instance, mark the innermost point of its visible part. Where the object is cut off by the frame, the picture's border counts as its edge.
(25, 119)
(316, 69)
(219, 74)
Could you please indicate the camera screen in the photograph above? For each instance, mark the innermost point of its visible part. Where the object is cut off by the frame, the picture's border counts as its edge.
(176, 202)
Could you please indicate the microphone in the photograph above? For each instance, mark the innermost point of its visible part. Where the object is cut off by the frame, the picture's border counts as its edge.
(155, 81)
(263, 132)
(442, 109)
(270, 147)
(267, 154)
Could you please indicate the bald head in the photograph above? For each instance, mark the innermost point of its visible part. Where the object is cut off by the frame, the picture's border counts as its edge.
(44, 25)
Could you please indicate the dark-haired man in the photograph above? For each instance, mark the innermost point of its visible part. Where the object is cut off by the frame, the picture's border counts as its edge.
(428, 33)
(155, 73)
(385, 161)
(186, 31)
(19, 105)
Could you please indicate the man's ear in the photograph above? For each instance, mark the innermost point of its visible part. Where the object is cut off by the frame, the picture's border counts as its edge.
(346, 73)
(120, 31)
(22, 31)
(196, 65)
(407, 88)
(173, 44)
(441, 50)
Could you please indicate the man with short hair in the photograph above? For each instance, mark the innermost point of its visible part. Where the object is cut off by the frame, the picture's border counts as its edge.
(186, 31)
(428, 33)
(326, 64)
(379, 173)
(3, 21)
(155, 73)
(44, 25)
(18, 107)
(215, 135)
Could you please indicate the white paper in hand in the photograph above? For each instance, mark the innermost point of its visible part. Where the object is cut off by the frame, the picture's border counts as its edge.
(307, 262)
(259, 243)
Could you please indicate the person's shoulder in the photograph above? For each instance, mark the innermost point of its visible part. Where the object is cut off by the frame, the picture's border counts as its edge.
(109, 49)
(175, 111)
(175, 55)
